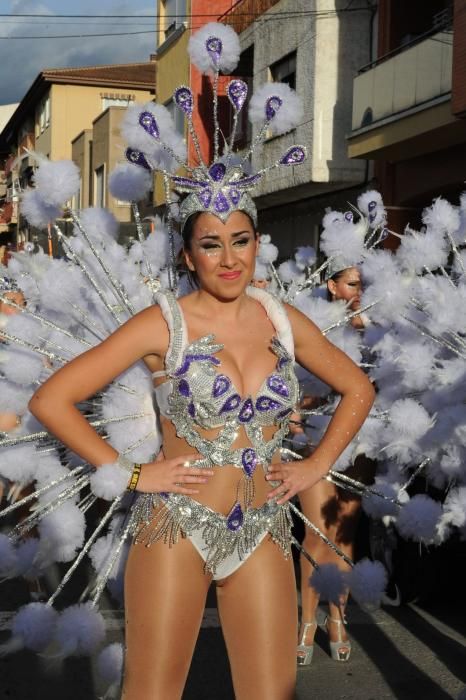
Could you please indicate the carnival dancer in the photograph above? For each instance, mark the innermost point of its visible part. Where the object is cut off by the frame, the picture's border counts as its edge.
(333, 509)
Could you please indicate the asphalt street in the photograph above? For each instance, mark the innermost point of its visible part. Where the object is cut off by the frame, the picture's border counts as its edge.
(415, 650)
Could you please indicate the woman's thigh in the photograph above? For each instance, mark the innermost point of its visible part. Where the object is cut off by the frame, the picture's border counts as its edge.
(258, 611)
(165, 593)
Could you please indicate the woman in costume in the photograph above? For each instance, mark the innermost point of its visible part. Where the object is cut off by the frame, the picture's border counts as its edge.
(333, 509)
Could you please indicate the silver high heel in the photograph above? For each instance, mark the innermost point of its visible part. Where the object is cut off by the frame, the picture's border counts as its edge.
(341, 649)
(304, 651)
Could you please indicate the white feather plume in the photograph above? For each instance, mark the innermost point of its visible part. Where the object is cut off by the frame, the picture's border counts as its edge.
(419, 518)
(34, 625)
(230, 53)
(57, 181)
(79, 630)
(36, 210)
(109, 481)
(288, 116)
(130, 183)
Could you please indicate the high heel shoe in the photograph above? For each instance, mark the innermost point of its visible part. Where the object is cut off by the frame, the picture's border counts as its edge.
(341, 649)
(304, 651)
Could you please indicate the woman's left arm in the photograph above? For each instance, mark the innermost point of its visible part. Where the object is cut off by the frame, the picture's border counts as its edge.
(329, 364)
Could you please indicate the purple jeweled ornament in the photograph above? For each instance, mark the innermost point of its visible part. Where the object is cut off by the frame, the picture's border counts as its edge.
(247, 411)
(235, 195)
(249, 461)
(348, 216)
(272, 106)
(293, 156)
(221, 203)
(246, 181)
(137, 158)
(384, 234)
(191, 409)
(237, 91)
(194, 358)
(184, 99)
(278, 385)
(264, 403)
(235, 518)
(148, 123)
(183, 388)
(231, 403)
(205, 197)
(221, 385)
(214, 49)
(284, 413)
(371, 207)
(282, 362)
(217, 171)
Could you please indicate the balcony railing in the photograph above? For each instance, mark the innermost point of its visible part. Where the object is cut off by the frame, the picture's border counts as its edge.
(413, 77)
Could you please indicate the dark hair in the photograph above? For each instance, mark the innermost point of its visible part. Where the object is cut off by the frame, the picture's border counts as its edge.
(334, 278)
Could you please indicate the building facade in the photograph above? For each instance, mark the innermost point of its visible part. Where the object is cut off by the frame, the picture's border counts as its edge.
(409, 113)
(59, 105)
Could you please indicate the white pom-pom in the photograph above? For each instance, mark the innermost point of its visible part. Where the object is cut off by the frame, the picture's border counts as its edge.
(230, 49)
(62, 532)
(98, 223)
(8, 558)
(36, 210)
(371, 205)
(109, 481)
(13, 399)
(288, 271)
(409, 419)
(377, 507)
(329, 582)
(22, 366)
(422, 250)
(419, 518)
(34, 625)
(442, 216)
(305, 256)
(344, 239)
(288, 115)
(18, 463)
(129, 183)
(367, 582)
(268, 252)
(57, 181)
(80, 630)
(110, 664)
(101, 553)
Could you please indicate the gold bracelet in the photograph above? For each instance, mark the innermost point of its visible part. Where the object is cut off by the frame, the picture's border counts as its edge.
(133, 482)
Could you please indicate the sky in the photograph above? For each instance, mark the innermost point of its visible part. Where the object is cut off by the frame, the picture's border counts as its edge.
(21, 60)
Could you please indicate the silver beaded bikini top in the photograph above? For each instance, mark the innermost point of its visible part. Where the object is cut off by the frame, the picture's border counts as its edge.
(198, 394)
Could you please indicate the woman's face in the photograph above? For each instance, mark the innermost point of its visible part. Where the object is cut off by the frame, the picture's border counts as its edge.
(347, 287)
(17, 298)
(223, 255)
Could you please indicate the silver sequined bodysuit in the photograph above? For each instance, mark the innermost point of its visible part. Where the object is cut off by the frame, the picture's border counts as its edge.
(198, 395)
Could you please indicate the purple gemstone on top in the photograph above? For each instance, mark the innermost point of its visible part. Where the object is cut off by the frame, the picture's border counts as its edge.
(293, 156)
(137, 158)
(284, 413)
(272, 106)
(264, 403)
(191, 410)
(217, 171)
(384, 234)
(234, 195)
(237, 92)
(348, 216)
(221, 385)
(148, 123)
(282, 362)
(372, 205)
(247, 411)
(235, 518)
(183, 388)
(214, 49)
(249, 461)
(278, 385)
(205, 197)
(231, 403)
(221, 203)
(184, 99)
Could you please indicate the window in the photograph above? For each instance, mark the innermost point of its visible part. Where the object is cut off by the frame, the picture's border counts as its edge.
(177, 116)
(109, 100)
(43, 116)
(284, 70)
(173, 14)
(99, 189)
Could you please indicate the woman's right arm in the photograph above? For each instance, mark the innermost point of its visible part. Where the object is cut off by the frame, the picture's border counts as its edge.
(54, 404)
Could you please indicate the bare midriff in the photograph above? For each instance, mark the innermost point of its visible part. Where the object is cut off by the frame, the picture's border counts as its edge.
(219, 493)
